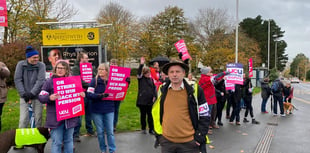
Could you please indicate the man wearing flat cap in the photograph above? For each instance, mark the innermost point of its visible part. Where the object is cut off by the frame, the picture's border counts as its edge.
(28, 78)
(180, 113)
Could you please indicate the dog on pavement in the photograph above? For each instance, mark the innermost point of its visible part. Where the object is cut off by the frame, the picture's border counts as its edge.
(288, 107)
(7, 140)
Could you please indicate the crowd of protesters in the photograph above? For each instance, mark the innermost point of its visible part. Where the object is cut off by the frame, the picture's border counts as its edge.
(163, 91)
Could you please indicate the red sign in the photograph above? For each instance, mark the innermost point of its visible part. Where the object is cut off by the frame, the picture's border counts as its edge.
(250, 67)
(86, 70)
(181, 47)
(71, 103)
(3, 14)
(117, 84)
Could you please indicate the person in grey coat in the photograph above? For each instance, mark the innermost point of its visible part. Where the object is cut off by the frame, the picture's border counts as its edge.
(266, 92)
(28, 78)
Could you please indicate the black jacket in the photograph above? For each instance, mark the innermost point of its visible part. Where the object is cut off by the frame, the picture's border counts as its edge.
(200, 125)
(146, 89)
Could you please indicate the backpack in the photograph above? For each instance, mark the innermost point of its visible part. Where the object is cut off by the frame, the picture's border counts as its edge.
(275, 87)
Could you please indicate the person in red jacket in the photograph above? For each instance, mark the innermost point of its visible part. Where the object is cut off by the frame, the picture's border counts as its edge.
(155, 74)
(206, 82)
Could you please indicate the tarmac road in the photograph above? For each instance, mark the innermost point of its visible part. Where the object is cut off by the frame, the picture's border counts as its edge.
(275, 134)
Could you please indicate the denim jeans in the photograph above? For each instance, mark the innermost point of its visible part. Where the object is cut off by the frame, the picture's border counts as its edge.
(263, 106)
(61, 135)
(278, 99)
(104, 124)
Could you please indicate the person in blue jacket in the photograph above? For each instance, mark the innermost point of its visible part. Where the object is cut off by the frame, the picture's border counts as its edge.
(102, 110)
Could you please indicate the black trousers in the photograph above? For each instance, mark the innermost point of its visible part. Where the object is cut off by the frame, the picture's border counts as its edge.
(220, 106)
(146, 114)
(249, 107)
(171, 147)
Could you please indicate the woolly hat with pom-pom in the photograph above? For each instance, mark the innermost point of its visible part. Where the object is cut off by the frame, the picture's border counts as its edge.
(31, 52)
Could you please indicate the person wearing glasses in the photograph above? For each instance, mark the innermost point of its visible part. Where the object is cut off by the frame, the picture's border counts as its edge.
(102, 110)
(28, 78)
(61, 131)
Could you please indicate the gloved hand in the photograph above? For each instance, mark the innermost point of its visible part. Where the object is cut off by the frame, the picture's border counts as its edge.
(105, 95)
(26, 96)
(186, 61)
(128, 80)
(180, 55)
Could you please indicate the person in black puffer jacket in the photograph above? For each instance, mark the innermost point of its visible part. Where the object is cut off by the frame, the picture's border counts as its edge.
(146, 96)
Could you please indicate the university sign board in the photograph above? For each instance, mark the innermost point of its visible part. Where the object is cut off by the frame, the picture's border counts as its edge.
(71, 37)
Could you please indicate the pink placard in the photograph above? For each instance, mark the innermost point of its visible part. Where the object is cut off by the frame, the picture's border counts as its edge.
(236, 73)
(229, 86)
(117, 84)
(3, 14)
(181, 47)
(71, 103)
(86, 70)
(250, 68)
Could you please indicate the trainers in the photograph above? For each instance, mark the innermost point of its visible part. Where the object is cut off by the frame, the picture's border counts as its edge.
(283, 115)
(274, 114)
(245, 120)
(254, 121)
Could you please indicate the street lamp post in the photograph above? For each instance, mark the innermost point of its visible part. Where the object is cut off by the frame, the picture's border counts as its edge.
(268, 44)
(275, 56)
(237, 24)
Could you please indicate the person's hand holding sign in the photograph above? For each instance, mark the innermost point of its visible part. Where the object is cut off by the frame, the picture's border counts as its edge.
(54, 96)
(82, 94)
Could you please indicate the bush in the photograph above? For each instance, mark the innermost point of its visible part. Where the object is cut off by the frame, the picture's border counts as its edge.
(10, 55)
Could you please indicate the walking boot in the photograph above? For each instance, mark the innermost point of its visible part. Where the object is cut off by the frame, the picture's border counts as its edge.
(245, 120)
(254, 121)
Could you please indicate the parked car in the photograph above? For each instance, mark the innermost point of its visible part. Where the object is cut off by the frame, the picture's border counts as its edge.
(295, 80)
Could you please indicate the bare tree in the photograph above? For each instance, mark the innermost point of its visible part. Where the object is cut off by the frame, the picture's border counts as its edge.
(121, 36)
(23, 14)
(208, 21)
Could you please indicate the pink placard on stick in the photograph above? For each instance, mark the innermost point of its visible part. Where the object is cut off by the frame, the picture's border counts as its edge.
(250, 68)
(117, 84)
(181, 47)
(86, 70)
(236, 73)
(71, 103)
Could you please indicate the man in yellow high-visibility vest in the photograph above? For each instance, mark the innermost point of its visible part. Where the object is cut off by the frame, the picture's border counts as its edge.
(180, 113)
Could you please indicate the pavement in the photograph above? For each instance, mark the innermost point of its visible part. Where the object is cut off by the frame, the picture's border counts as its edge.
(274, 134)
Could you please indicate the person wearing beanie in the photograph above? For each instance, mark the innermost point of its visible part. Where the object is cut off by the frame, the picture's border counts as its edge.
(28, 78)
(206, 82)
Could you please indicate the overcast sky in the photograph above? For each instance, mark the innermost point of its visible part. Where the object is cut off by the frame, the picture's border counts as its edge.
(291, 15)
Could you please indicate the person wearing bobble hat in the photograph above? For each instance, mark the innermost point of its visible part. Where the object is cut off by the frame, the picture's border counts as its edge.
(28, 78)
(207, 82)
